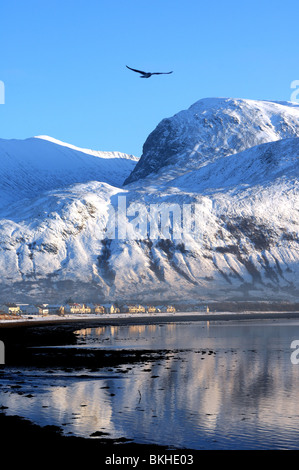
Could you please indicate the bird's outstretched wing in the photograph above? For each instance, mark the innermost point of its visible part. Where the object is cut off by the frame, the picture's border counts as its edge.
(134, 70)
(161, 73)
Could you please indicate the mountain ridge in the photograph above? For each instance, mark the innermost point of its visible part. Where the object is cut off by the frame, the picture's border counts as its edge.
(30, 166)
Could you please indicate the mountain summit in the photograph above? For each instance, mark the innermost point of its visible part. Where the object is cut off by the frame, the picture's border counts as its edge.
(210, 129)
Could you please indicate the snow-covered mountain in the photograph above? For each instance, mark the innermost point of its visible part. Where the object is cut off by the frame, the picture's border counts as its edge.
(210, 129)
(233, 162)
(29, 167)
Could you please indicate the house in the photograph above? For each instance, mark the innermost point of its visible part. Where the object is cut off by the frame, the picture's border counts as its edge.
(204, 308)
(134, 309)
(86, 308)
(43, 309)
(77, 308)
(151, 309)
(10, 308)
(56, 309)
(99, 308)
(72, 308)
(110, 308)
(28, 309)
(168, 309)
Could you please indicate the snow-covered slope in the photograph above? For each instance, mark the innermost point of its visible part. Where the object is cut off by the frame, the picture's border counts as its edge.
(258, 166)
(243, 182)
(210, 129)
(29, 167)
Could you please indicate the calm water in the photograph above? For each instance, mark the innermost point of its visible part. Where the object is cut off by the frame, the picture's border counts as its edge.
(220, 385)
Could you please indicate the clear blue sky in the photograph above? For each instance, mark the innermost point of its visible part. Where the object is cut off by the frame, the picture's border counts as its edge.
(63, 63)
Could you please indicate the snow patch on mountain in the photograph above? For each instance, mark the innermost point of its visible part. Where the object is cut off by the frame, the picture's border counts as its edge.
(96, 153)
(259, 165)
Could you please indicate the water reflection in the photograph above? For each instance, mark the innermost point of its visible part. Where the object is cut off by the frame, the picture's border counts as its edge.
(217, 386)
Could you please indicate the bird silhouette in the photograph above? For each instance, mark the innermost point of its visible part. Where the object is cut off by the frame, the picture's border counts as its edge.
(148, 74)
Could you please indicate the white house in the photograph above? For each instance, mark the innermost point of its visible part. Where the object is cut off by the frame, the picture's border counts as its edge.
(43, 309)
(77, 308)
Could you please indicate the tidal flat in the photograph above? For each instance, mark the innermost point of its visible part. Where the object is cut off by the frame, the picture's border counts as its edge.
(200, 385)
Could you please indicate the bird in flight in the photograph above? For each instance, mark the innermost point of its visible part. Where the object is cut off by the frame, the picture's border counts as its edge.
(148, 74)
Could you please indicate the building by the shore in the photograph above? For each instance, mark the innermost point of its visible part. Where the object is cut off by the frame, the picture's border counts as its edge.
(111, 308)
(10, 308)
(100, 309)
(152, 309)
(204, 308)
(45, 309)
(28, 309)
(133, 309)
(77, 308)
(168, 309)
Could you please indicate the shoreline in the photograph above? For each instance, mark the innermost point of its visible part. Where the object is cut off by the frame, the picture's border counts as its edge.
(26, 434)
(124, 319)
